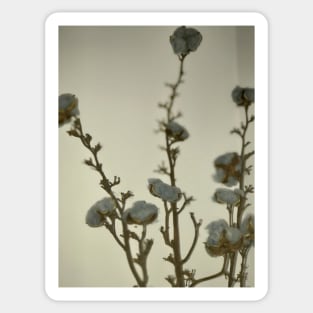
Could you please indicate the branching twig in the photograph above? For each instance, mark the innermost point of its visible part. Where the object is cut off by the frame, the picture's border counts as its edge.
(107, 185)
(187, 201)
(220, 273)
(112, 230)
(195, 239)
(242, 205)
(165, 230)
(172, 156)
(243, 274)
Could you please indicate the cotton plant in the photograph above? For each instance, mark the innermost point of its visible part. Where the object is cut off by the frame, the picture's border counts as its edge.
(113, 212)
(128, 223)
(184, 40)
(237, 236)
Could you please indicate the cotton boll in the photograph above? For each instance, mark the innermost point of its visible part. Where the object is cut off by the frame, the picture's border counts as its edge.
(105, 206)
(185, 40)
(141, 213)
(217, 226)
(68, 108)
(222, 238)
(225, 159)
(97, 213)
(233, 235)
(94, 218)
(247, 229)
(243, 96)
(176, 131)
(164, 191)
(228, 164)
(227, 196)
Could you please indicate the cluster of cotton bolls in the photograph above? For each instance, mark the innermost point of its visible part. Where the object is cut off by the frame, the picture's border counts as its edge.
(141, 213)
(224, 238)
(230, 167)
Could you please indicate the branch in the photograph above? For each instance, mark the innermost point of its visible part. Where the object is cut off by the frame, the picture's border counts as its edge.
(169, 258)
(112, 230)
(162, 169)
(190, 277)
(145, 246)
(107, 186)
(86, 141)
(220, 273)
(172, 156)
(171, 279)
(195, 239)
(165, 231)
(242, 276)
(187, 201)
(236, 131)
(231, 279)
(248, 189)
(248, 155)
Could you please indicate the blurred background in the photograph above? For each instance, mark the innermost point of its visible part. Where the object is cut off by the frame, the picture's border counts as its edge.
(119, 76)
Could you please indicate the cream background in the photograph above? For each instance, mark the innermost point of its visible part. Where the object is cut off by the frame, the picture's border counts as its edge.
(118, 74)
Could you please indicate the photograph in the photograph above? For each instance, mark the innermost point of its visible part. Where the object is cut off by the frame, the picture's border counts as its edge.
(155, 182)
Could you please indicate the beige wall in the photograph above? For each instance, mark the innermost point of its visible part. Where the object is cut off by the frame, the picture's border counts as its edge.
(118, 74)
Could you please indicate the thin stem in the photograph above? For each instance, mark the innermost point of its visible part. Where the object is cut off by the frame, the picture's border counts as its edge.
(176, 249)
(107, 186)
(220, 273)
(195, 238)
(187, 201)
(143, 254)
(98, 165)
(175, 86)
(112, 229)
(242, 205)
(165, 231)
(230, 209)
(233, 261)
(176, 235)
(243, 166)
(243, 274)
(129, 255)
(180, 282)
